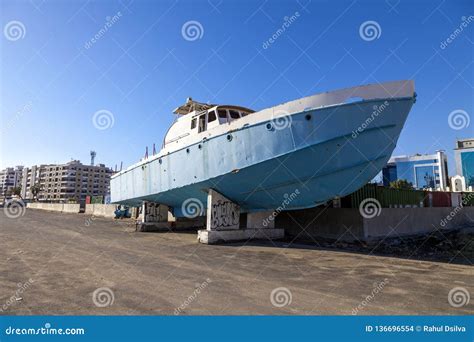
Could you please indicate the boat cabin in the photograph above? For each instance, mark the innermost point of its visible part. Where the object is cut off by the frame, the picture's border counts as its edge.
(196, 118)
(216, 116)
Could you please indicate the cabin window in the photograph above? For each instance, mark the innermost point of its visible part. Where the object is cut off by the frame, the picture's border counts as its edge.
(211, 116)
(193, 123)
(202, 123)
(234, 114)
(222, 114)
(243, 114)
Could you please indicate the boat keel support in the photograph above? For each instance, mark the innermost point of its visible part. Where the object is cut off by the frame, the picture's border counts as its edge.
(154, 217)
(223, 222)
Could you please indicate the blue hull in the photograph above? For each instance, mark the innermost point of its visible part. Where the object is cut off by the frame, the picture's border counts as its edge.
(322, 154)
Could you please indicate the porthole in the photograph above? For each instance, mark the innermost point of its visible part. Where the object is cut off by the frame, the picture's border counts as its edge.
(229, 137)
(308, 117)
(199, 146)
(187, 150)
(160, 161)
(269, 126)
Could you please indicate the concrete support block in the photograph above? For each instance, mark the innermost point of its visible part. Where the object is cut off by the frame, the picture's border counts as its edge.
(171, 217)
(222, 213)
(154, 212)
(223, 222)
(218, 236)
(135, 212)
(154, 218)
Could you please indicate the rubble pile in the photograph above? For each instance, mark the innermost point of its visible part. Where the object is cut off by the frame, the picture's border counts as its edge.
(453, 246)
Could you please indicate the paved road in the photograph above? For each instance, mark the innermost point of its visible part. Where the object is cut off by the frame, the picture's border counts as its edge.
(69, 256)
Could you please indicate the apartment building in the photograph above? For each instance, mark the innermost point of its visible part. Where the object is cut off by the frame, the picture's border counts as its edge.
(9, 179)
(72, 181)
(29, 178)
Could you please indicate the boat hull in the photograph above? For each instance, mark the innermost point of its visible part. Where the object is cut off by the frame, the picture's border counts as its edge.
(292, 162)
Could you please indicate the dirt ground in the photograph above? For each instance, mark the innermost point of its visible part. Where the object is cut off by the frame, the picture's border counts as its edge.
(57, 264)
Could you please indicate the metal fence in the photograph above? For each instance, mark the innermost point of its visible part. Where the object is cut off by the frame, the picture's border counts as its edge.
(97, 199)
(396, 198)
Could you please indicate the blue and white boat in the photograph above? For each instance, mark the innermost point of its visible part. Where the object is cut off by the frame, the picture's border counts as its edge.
(323, 146)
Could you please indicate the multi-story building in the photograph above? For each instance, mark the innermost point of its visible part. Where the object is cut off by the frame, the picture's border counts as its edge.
(72, 181)
(422, 171)
(30, 177)
(9, 179)
(464, 159)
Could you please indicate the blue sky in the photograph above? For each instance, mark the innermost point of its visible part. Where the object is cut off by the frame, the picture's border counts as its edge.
(54, 79)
